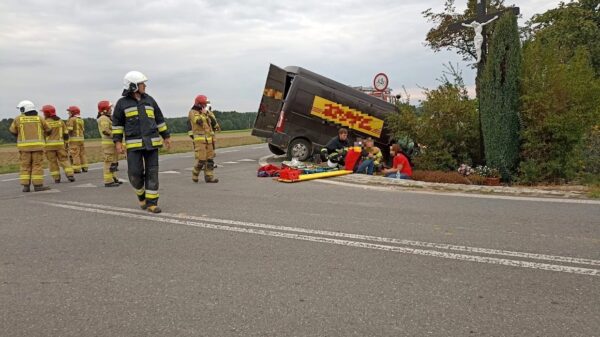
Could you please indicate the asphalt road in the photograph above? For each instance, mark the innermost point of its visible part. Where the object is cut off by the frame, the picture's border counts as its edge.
(253, 257)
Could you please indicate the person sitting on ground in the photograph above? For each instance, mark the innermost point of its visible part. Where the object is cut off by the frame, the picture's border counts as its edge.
(336, 147)
(372, 157)
(401, 167)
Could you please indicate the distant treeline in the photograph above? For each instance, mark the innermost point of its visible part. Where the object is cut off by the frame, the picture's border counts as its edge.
(229, 120)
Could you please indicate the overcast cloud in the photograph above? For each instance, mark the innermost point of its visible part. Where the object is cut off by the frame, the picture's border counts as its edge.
(76, 52)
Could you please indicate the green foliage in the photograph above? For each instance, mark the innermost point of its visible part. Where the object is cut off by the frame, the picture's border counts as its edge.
(440, 37)
(446, 126)
(500, 97)
(560, 106)
(571, 25)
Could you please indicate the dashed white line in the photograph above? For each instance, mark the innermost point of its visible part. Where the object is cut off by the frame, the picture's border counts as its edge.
(326, 237)
(247, 160)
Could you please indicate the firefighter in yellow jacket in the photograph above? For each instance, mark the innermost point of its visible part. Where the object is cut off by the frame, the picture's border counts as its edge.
(202, 133)
(111, 158)
(56, 152)
(76, 128)
(30, 130)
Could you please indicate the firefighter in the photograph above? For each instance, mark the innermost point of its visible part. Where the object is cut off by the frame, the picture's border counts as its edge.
(202, 133)
(56, 153)
(336, 148)
(111, 158)
(138, 118)
(30, 129)
(76, 128)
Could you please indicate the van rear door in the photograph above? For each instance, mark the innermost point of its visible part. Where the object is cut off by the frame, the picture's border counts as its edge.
(271, 103)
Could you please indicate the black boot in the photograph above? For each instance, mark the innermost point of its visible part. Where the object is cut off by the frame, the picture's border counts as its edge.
(40, 188)
(71, 178)
(57, 181)
(84, 169)
(211, 179)
(26, 188)
(113, 184)
(117, 181)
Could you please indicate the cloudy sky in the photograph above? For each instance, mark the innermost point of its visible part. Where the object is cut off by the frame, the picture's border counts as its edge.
(75, 52)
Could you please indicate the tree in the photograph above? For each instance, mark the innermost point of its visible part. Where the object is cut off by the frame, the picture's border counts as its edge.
(441, 38)
(446, 125)
(500, 97)
(561, 113)
(572, 25)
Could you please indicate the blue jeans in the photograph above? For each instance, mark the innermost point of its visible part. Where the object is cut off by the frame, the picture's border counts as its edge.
(393, 175)
(367, 165)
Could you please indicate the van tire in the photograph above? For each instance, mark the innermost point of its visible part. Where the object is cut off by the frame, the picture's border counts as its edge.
(275, 150)
(299, 148)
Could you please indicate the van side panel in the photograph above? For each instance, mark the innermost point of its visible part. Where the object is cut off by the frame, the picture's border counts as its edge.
(271, 103)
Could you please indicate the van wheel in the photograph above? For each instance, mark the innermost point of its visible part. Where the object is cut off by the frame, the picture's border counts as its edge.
(299, 148)
(275, 150)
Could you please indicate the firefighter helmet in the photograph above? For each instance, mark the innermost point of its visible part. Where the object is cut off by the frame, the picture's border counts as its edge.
(132, 79)
(201, 100)
(49, 111)
(26, 106)
(104, 106)
(74, 110)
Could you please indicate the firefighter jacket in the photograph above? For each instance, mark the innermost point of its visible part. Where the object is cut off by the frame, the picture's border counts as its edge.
(336, 144)
(30, 130)
(200, 125)
(376, 152)
(105, 128)
(76, 128)
(141, 123)
(58, 134)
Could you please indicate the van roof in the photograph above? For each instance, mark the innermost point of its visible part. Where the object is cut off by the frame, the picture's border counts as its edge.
(299, 71)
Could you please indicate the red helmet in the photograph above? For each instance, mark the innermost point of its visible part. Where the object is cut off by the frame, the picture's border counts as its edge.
(201, 100)
(49, 111)
(104, 106)
(74, 110)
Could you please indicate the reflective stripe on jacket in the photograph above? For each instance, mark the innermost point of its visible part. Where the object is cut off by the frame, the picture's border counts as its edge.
(56, 139)
(76, 128)
(30, 130)
(140, 123)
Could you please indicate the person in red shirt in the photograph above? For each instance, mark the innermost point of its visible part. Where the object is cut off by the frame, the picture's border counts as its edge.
(401, 165)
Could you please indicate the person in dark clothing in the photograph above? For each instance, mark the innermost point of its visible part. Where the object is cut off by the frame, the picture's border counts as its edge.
(336, 147)
(138, 118)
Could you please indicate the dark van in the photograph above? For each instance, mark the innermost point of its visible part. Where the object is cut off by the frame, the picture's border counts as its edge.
(301, 111)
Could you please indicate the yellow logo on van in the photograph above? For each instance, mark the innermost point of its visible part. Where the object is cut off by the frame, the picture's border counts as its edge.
(346, 116)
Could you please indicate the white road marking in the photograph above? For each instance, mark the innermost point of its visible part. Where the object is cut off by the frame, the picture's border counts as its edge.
(227, 151)
(422, 244)
(456, 194)
(258, 148)
(170, 172)
(284, 232)
(90, 185)
(247, 160)
(12, 179)
(230, 162)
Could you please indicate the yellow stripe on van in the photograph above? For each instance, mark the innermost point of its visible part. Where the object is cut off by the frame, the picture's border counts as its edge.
(346, 116)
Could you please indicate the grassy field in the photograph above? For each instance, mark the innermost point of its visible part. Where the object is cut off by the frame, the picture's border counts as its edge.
(9, 156)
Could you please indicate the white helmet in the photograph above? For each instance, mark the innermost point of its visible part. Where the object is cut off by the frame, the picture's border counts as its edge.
(26, 106)
(132, 79)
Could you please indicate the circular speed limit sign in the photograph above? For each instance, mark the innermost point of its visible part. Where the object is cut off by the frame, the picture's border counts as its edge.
(380, 82)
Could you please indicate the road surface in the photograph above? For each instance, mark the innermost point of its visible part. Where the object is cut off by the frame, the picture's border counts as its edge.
(253, 257)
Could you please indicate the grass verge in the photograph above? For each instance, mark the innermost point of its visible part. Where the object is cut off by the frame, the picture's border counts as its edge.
(9, 157)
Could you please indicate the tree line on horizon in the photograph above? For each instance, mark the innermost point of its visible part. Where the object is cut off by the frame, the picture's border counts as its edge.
(229, 120)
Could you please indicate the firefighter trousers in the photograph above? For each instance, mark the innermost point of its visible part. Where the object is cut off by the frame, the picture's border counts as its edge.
(32, 170)
(205, 154)
(142, 169)
(58, 157)
(78, 157)
(111, 162)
